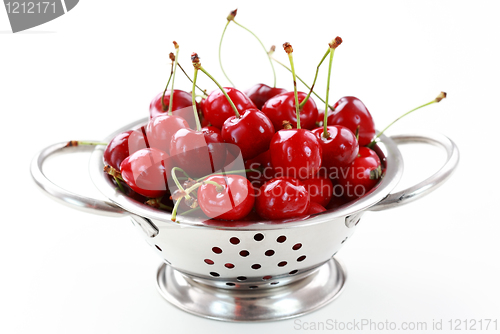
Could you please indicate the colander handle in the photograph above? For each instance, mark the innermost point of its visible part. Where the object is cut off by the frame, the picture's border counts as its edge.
(433, 182)
(66, 197)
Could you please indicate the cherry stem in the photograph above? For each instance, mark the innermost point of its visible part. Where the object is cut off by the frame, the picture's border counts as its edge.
(441, 96)
(117, 180)
(190, 189)
(325, 119)
(203, 91)
(223, 91)
(113, 172)
(170, 105)
(193, 97)
(220, 47)
(289, 50)
(314, 82)
(263, 47)
(174, 211)
(163, 106)
(191, 210)
(174, 177)
(73, 143)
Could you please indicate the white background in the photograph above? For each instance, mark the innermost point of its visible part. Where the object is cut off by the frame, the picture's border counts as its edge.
(96, 69)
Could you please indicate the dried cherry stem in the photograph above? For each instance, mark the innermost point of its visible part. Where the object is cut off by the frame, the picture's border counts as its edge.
(163, 106)
(113, 172)
(263, 47)
(333, 45)
(314, 82)
(73, 143)
(196, 64)
(170, 105)
(230, 18)
(438, 99)
(289, 50)
(189, 78)
(271, 52)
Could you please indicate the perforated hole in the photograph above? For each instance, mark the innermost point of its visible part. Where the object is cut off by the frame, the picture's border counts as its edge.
(229, 265)
(208, 261)
(301, 258)
(214, 274)
(344, 240)
(230, 284)
(234, 240)
(297, 246)
(274, 283)
(281, 239)
(256, 266)
(268, 277)
(241, 278)
(293, 272)
(282, 264)
(216, 250)
(269, 252)
(244, 253)
(258, 237)
(158, 247)
(253, 287)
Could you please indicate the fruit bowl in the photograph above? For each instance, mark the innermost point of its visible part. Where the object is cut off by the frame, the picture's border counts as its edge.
(257, 270)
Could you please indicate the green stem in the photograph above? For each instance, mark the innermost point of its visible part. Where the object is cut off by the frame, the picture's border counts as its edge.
(303, 82)
(220, 59)
(268, 56)
(297, 111)
(189, 211)
(191, 80)
(193, 97)
(174, 211)
(170, 105)
(163, 106)
(119, 184)
(174, 177)
(325, 119)
(314, 82)
(223, 91)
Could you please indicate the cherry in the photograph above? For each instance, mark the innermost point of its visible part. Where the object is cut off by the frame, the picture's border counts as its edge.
(282, 108)
(161, 129)
(315, 208)
(217, 108)
(282, 197)
(320, 189)
(260, 93)
(117, 150)
(264, 169)
(181, 100)
(145, 171)
(351, 113)
(321, 116)
(233, 200)
(362, 175)
(339, 149)
(251, 132)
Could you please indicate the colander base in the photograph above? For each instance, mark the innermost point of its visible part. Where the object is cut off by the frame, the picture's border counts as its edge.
(292, 300)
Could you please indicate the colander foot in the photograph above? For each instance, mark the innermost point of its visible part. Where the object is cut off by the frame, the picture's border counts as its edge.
(291, 300)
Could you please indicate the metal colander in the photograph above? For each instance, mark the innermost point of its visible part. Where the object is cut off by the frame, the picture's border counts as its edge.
(262, 270)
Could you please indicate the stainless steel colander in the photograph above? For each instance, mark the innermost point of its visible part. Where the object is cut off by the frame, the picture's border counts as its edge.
(260, 270)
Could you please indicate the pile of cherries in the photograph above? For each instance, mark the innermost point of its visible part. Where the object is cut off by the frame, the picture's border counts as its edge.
(240, 156)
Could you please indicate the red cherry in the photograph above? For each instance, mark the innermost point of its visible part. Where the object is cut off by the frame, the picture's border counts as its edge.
(320, 189)
(198, 153)
(282, 108)
(296, 153)
(145, 171)
(282, 197)
(260, 93)
(315, 208)
(233, 201)
(161, 129)
(321, 116)
(182, 107)
(339, 149)
(351, 112)
(251, 132)
(117, 150)
(137, 140)
(217, 109)
(362, 175)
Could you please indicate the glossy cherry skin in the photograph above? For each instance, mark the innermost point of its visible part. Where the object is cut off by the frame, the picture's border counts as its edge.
(183, 106)
(315, 208)
(217, 109)
(251, 132)
(358, 179)
(137, 140)
(339, 149)
(282, 197)
(117, 150)
(145, 171)
(321, 116)
(260, 93)
(351, 112)
(282, 108)
(198, 153)
(320, 189)
(161, 129)
(233, 203)
(296, 153)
